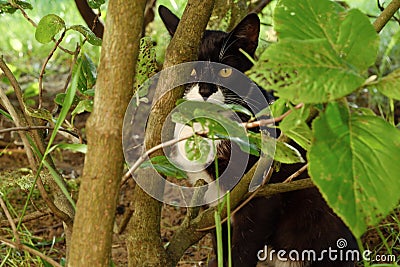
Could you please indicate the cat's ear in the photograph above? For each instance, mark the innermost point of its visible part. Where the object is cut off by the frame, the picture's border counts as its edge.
(246, 33)
(170, 20)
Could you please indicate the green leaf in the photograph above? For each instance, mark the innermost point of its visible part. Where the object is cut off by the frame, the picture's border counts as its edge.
(5, 114)
(354, 161)
(6, 7)
(95, 4)
(197, 149)
(88, 34)
(322, 55)
(87, 73)
(278, 108)
(66, 105)
(82, 148)
(164, 166)
(389, 85)
(59, 99)
(48, 27)
(295, 127)
(240, 109)
(42, 113)
(286, 153)
(146, 65)
(83, 105)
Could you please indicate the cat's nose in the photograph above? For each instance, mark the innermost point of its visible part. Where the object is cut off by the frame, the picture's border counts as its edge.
(206, 90)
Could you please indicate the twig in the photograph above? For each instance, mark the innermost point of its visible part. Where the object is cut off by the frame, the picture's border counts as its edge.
(30, 250)
(29, 217)
(273, 189)
(172, 142)
(169, 143)
(297, 173)
(386, 14)
(44, 67)
(260, 6)
(10, 220)
(15, 5)
(38, 127)
(378, 3)
(75, 54)
(17, 89)
(265, 122)
(34, 24)
(20, 123)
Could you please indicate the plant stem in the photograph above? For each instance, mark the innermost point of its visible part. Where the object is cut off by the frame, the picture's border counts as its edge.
(386, 15)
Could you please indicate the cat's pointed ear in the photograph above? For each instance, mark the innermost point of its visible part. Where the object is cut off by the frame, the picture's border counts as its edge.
(170, 20)
(246, 33)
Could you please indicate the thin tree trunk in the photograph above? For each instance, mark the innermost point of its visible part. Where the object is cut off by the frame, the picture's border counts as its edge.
(144, 242)
(92, 231)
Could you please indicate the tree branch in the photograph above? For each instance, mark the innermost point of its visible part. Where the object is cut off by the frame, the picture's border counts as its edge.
(386, 15)
(10, 221)
(183, 47)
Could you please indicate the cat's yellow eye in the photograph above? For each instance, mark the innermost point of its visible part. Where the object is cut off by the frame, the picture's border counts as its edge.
(193, 73)
(225, 72)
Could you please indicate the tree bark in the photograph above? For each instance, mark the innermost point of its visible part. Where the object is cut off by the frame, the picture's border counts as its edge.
(144, 242)
(92, 232)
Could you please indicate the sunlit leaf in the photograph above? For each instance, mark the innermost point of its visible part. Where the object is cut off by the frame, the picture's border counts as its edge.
(197, 149)
(89, 35)
(354, 161)
(81, 148)
(286, 153)
(165, 167)
(389, 85)
(95, 4)
(322, 54)
(48, 27)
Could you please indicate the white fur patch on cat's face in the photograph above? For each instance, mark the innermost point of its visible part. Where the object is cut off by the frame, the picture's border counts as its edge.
(194, 95)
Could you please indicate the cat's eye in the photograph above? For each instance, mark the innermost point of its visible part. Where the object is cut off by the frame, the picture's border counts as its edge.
(193, 73)
(225, 72)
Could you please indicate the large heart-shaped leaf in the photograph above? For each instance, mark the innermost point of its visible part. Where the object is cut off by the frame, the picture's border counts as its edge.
(354, 161)
(322, 54)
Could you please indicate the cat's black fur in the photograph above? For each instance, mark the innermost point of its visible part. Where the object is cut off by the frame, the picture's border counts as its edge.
(299, 220)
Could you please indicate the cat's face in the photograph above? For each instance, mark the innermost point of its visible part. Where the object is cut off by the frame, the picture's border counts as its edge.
(220, 47)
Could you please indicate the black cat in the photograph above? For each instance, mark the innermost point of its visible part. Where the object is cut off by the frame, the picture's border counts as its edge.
(295, 222)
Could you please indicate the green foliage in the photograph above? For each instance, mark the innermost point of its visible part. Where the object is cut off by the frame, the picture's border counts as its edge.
(51, 24)
(164, 166)
(48, 27)
(6, 7)
(95, 3)
(197, 149)
(354, 160)
(389, 85)
(146, 67)
(322, 56)
(87, 33)
(86, 75)
(337, 47)
(286, 153)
